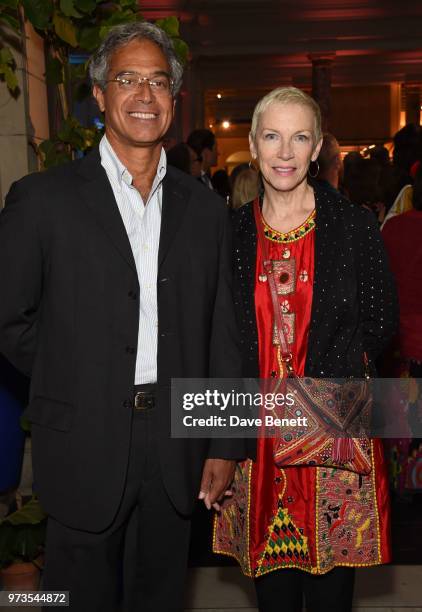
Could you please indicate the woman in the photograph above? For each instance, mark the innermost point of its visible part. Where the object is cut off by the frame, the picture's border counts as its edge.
(402, 237)
(338, 303)
(245, 187)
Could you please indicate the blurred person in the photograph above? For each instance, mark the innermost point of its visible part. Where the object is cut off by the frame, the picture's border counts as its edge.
(180, 157)
(245, 187)
(350, 161)
(314, 298)
(404, 200)
(387, 179)
(402, 238)
(237, 170)
(102, 285)
(407, 149)
(329, 162)
(380, 154)
(221, 184)
(204, 144)
(362, 186)
(184, 158)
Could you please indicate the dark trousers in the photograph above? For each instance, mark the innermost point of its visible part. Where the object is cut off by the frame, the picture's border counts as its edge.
(90, 565)
(283, 591)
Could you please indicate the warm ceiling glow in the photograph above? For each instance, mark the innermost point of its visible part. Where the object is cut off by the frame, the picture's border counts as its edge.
(210, 126)
(219, 96)
(226, 125)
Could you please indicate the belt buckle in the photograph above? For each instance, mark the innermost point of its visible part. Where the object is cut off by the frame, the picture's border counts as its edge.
(144, 400)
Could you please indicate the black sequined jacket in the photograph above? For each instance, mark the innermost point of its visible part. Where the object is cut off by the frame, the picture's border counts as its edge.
(354, 306)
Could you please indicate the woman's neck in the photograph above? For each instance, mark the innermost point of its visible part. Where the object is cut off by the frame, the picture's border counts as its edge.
(286, 210)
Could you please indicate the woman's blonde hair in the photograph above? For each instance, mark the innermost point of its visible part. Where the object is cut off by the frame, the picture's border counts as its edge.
(245, 187)
(287, 95)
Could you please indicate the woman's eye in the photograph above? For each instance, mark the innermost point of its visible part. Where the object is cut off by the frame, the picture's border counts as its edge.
(270, 136)
(302, 138)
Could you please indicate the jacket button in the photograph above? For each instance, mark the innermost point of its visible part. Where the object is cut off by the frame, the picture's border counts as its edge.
(163, 280)
(132, 295)
(130, 350)
(127, 404)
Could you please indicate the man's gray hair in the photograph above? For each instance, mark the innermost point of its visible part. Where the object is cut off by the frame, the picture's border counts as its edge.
(124, 34)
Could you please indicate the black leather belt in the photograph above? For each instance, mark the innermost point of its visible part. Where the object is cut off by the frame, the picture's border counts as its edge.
(144, 397)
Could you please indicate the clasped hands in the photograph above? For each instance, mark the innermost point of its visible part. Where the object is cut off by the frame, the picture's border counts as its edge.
(217, 477)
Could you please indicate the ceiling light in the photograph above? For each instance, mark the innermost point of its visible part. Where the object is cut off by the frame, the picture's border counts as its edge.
(219, 96)
(226, 125)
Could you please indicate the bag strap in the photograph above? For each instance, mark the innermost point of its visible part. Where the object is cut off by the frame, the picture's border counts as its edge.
(286, 355)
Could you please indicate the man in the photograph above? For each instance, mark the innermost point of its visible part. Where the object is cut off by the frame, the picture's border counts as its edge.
(205, 146)
(110, 287)
(330, 162)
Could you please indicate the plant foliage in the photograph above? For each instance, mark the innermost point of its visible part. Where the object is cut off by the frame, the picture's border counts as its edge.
(22, 534)
(67, 26)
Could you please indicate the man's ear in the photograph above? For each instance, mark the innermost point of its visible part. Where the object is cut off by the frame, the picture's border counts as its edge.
(98, 94)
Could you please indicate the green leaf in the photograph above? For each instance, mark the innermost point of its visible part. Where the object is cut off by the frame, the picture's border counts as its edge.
(119, 17)
(10, 78)
(170, 25)
(46, 146)
(182, 49)
(38, 12)
(11, 22)
(78, 71)
(30, 514)
(13, 4)
(25, 424)
(65, 30)
(132, 4)
(71, 133)
(6, 56)
(68, 8)
(53, 153)
(54, 71)
(86, 6)
(89, 38)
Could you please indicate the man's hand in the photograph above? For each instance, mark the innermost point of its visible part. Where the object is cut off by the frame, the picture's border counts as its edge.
(217, 477)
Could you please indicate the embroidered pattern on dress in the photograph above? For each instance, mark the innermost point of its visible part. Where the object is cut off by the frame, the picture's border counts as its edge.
(289, 328)
(285, 544)
(284, 272)
(293, 235)
(347, 519)
(231, 525)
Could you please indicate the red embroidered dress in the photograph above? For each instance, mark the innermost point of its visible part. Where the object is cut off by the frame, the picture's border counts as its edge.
(302, 517)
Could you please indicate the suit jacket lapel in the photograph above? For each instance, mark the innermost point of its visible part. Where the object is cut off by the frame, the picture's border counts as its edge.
(98, 196)
(175, 200)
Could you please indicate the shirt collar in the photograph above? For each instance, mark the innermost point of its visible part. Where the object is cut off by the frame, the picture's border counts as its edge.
(120, 173)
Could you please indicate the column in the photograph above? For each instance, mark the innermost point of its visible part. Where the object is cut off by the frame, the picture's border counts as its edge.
(321, 83)
(412, 102)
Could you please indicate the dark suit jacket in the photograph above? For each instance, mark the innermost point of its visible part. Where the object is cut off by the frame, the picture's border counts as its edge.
(69, 318)
(354, 305)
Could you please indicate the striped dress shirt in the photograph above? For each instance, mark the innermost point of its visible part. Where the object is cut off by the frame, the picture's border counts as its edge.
(142, 221)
